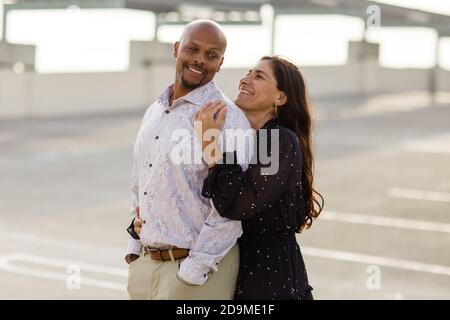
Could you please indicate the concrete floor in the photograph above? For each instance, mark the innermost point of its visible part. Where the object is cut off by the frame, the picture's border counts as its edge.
(382, 165)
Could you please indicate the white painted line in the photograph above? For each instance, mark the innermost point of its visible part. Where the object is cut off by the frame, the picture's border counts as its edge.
(57, 243)
(376, 260)
(386, 221)
(7, 264)
(428, 147)
(419, 194)
(437, 144)
(63, 263)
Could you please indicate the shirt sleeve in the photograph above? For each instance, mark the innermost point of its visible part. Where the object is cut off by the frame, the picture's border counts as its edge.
(241, 195)
(216, 238)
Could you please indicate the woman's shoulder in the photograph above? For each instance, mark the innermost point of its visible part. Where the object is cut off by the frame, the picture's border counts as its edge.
(287, 135)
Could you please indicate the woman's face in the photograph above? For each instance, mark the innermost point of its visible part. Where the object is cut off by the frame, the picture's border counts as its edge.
(258, 89)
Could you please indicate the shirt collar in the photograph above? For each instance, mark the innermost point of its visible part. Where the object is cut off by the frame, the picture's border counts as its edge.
(165, 96)
(196, 96)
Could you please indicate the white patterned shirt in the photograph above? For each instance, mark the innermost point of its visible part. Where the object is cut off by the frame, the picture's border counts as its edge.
(168, 193)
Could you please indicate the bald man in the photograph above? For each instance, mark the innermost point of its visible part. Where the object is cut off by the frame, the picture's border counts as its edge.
(184, 250)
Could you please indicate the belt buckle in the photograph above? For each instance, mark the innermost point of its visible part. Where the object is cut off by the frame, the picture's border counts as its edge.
(148, 250)
(156, 251)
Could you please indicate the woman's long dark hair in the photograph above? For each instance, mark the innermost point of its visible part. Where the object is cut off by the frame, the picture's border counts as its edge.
(295, 115)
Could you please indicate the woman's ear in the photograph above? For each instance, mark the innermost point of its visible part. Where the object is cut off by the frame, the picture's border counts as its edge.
(282, 99)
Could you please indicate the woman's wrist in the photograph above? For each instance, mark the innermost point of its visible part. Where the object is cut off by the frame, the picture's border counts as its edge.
(212, 154)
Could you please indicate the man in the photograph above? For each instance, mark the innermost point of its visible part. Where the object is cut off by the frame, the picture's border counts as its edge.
(186, 250)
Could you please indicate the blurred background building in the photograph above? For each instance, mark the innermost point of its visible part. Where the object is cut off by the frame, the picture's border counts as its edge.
(76, 77)
(62, 57)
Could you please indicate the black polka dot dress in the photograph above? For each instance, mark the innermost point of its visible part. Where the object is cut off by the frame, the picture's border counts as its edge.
(271, 208)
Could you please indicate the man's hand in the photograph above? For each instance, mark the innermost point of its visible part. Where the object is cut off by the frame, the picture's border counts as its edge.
(131, 257)
(137, 225)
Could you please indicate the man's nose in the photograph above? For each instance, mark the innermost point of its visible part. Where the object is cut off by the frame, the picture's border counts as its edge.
(199, 59)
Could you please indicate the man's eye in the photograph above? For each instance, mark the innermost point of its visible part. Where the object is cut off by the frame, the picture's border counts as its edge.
(259, 77)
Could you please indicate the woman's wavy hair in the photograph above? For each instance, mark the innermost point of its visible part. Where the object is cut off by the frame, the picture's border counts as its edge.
(295, 115)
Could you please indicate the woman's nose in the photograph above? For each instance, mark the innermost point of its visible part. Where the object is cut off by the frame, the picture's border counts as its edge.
(244, 80)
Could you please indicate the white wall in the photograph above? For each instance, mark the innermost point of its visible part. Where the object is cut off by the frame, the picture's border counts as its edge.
(397, 80)
(45, 95)
(350, 80)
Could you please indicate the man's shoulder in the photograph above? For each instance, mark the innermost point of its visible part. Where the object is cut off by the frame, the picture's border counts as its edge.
(235, 116)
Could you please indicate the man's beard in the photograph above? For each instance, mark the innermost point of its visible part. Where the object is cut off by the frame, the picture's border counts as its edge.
(190, 85)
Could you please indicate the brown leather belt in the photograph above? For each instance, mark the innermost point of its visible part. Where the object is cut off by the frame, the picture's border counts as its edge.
(164, 254)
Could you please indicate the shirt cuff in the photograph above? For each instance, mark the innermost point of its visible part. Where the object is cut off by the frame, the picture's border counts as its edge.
(134, 246)
(193, 273)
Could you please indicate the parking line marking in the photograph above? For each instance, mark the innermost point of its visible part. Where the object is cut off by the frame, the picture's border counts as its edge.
(421, 225)
(376, 260)
(419, 194)
(6, 264)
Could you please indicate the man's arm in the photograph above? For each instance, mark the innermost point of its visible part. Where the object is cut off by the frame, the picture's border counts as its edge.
(134, 245)
(216, 238)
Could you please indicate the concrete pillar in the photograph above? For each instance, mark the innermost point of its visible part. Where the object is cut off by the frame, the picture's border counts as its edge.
(365, 55)
(144, 54)
(268, 17)
(434, 72)
(363, 51)
(158, 63)
(17, 56)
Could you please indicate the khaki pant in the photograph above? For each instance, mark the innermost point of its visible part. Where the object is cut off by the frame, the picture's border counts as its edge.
(156, 280)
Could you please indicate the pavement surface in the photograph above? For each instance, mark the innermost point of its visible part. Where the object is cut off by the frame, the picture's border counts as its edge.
(382, 164)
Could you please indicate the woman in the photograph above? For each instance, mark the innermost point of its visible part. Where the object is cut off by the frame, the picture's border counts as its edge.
(272, 207)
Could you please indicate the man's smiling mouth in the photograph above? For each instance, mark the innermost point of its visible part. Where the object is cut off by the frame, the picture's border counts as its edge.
(195, 70)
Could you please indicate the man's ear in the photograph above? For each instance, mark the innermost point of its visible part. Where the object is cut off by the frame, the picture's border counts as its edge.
(175, 49)
(282, 99)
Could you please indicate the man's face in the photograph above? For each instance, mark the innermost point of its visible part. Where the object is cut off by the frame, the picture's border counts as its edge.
(198, 57)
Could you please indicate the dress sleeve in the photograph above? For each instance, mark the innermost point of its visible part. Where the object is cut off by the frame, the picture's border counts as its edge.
(241, 195)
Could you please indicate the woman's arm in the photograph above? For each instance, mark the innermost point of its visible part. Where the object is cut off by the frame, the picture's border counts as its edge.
(241, 195)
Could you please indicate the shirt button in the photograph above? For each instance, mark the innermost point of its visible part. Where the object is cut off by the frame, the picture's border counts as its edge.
(167, 111)
(204, 276)
(144, 221)
(157, 137)
(145, 193)
(150, 165)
